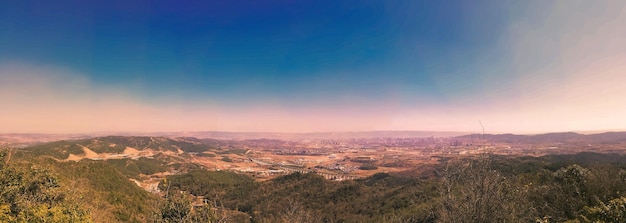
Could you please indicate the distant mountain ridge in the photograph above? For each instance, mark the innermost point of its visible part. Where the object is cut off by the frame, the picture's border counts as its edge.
(558, 137)
(29, 140)
(311, 135)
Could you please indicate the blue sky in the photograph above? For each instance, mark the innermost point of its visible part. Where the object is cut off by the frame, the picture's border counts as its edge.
(301, 66)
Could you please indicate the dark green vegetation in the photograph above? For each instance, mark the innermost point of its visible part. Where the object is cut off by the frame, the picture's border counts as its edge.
(29, 193)
(117, 144)
(135, 167)
(368, 166)
(58, 150)
(584, 187)
(101, 188)
(89, 190)
(36, 187)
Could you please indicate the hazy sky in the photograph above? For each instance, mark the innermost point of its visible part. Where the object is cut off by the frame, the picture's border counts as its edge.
(305, 66)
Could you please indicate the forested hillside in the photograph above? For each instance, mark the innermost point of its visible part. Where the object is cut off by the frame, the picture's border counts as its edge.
(584, 187)
(575, 188)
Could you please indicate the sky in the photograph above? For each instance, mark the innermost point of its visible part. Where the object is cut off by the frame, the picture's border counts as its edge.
(79, 66)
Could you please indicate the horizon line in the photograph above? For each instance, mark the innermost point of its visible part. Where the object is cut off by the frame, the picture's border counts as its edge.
(584, 132)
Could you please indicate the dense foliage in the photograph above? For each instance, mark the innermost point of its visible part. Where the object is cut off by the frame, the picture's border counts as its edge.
(29, 193)
(585, 187)
(135, 167)
(575, 188)
(102, 187)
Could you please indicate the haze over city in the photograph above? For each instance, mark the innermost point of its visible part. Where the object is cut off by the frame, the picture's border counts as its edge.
(291, 66)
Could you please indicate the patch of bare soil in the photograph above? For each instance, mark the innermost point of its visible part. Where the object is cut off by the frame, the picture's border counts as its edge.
(89, 154)
(131, 151)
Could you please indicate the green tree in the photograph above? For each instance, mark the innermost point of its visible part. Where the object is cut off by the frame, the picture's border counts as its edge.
(33, 194)
(613, 211)
(179, 207)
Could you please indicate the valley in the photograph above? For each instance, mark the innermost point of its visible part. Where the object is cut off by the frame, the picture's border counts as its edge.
(334, 158)
(374, 177)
